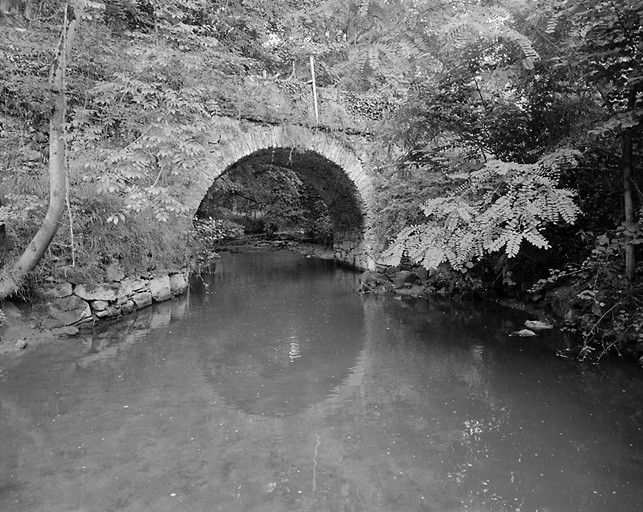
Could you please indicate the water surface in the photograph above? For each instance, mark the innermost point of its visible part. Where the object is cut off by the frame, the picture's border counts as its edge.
(273, 386)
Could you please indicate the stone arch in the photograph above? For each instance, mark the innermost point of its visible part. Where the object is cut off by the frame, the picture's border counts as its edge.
(318, 159)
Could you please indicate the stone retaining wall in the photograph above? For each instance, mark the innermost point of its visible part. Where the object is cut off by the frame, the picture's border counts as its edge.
(70, 306)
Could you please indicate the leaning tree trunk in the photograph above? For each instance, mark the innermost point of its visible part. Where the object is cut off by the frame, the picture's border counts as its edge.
(630, 187)
(15, 277)
(628, 200)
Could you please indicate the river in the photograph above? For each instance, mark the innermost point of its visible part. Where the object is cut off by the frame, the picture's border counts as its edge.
(273, 386)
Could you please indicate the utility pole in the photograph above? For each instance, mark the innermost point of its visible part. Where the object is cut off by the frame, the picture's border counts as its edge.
(312, 72)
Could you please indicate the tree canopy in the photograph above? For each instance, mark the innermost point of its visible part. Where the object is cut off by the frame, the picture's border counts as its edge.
(515, 125)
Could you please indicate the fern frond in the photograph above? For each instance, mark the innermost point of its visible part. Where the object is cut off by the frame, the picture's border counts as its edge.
(363, 7)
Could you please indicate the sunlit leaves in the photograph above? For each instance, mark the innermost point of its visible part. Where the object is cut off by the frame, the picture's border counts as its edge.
(463, 227)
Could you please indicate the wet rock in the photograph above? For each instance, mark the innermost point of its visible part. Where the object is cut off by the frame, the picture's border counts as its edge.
(403, 277)
(160, 288)
(537, 325)
(370, 281)
(142, 299)
(178, 284)
(68, 330)
(523, 333)
(411, 290)
(128, 307)
(108, 312)
(69, 310)
(104, 292)
(391, 271)
(56, 292)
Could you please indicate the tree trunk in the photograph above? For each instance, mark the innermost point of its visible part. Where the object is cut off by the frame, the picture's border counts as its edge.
(15, 277)
(2, 244)
(628, 200)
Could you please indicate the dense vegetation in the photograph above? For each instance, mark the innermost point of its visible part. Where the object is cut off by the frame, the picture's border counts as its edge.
(516, 133)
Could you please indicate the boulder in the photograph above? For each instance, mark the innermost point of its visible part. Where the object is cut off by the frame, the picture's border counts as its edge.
(537, 325)
(99, 305)
(403, 277)
(69, 311)
(178, 284)
(160, 288)
(128, 307)
(523, 333)
(130, 286)
(104, 292)
(142, 299)
(391, 271)
(422, 273)
(370, 277)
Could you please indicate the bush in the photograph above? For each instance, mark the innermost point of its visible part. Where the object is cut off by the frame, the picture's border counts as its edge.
(212, 230)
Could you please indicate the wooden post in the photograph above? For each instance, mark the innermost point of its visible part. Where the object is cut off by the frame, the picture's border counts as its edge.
(2, 244)
(312, 72)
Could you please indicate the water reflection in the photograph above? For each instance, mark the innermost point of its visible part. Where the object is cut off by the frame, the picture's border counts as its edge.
(299, 342)
(275, 387)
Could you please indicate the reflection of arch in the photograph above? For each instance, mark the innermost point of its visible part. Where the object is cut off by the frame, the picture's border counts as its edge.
(319, 160)
(299, 346)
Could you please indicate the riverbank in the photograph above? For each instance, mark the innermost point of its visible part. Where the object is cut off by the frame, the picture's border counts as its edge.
(562, 307)
(16, 332)
(24, 325)
(29, 324)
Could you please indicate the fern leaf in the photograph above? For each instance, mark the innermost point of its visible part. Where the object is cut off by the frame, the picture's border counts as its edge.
(363, 7)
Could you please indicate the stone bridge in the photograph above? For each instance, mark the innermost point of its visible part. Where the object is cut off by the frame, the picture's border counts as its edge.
(332, 152)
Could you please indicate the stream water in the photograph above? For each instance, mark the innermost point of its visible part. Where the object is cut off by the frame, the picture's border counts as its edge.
(273, 386)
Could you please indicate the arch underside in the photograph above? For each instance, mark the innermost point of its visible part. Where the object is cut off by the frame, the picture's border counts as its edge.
(329, 180)
(320, 161)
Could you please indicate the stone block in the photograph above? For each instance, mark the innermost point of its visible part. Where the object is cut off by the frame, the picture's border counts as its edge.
(160, 288)
(128, 307)
(178, 284)
(69, 310)
(109, 312)
(99, 305)
(129, 287)
(105, 292)
(142, 299)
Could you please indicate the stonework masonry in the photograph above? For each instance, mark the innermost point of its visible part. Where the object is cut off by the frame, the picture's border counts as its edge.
(338, 169)
(72, 306)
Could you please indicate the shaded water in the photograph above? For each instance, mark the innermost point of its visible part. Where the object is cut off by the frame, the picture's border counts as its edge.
(275, 387)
